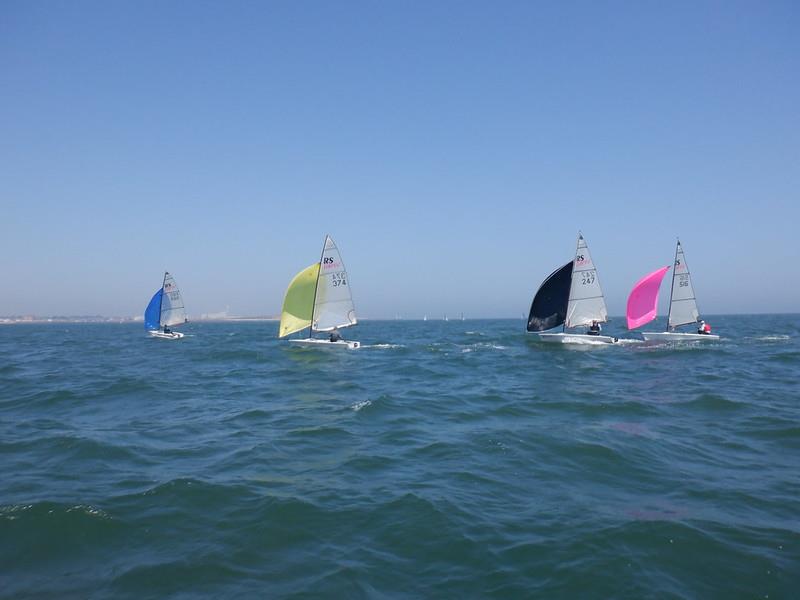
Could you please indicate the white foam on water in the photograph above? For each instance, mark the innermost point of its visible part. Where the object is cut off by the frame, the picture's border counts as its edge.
(89, 510)
(484, 345)
(585, 342)
(383, 346)
(359, 405)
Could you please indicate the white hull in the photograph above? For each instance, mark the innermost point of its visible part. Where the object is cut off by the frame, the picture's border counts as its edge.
(677, 336)
(175, 335)
(323, 343)
(576, 338)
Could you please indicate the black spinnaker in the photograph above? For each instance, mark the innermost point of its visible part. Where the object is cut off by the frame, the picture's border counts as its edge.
(549, 306)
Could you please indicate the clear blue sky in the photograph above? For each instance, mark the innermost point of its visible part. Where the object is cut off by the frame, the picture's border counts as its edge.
(452, 149)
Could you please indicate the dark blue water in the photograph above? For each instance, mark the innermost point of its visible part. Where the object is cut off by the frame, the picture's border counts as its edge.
(443, 459)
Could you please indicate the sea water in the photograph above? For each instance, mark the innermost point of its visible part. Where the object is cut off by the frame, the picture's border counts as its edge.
(442, 459)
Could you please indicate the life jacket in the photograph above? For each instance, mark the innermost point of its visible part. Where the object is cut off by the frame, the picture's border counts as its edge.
(706, 328)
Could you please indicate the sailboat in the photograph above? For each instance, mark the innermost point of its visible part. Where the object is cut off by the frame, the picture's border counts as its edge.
(165, 310)
(318, 298)
(682, 303)
(570, 296)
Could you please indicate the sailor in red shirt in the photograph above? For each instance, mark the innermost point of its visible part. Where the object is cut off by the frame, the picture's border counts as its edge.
(704, 328)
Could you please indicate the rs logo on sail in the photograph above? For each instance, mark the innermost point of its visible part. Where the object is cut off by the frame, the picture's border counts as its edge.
(329, 262)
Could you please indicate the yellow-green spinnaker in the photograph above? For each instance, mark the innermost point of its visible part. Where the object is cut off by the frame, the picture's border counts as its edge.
(298, 303)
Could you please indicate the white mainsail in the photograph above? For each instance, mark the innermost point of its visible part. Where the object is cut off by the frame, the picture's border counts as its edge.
(172, 310)
(333, 303)
(683, 305)
(586, 302)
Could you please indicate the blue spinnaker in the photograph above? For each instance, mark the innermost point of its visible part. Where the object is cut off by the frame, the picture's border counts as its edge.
(152, 314)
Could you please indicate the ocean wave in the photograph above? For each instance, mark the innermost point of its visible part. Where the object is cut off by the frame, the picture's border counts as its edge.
(789, 358)
(231, 467)
(360, 404)
(709, 401)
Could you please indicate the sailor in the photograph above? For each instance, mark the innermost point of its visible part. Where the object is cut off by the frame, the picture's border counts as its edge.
(167, 329)
(595, 328)
(704, 328)
(335, 335)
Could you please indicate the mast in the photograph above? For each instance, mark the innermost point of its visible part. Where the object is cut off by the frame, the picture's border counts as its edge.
(672, 286)
(566, 316)
(161, 297)
(316, 286)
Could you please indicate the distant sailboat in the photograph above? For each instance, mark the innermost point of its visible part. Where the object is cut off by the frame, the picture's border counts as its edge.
(570, 296)
(643, 301)
(165, 310)
(319, 298)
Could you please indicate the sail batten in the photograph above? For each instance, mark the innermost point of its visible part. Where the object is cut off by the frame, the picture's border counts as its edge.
(586, 301)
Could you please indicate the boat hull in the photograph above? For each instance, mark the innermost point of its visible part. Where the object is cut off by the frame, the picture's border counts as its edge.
(323, 343)
(677, 336)
(175, 335)
(576, 338)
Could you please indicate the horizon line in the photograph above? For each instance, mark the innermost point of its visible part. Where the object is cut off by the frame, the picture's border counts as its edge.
(22, 319)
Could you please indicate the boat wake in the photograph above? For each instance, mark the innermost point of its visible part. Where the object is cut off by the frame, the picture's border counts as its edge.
(629, 341)
(770, 338)
(483, 346)
(382, 346)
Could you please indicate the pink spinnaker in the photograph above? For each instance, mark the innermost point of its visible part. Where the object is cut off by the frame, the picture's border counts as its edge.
(643, 301)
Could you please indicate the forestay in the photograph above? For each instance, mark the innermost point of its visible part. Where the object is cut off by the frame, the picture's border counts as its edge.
(172, 309)
(298, 303)
(549, 306)
(586, 302)
(683, 306)
(333, 302)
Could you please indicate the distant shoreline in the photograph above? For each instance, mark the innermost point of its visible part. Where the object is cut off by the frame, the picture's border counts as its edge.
(115, 320)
